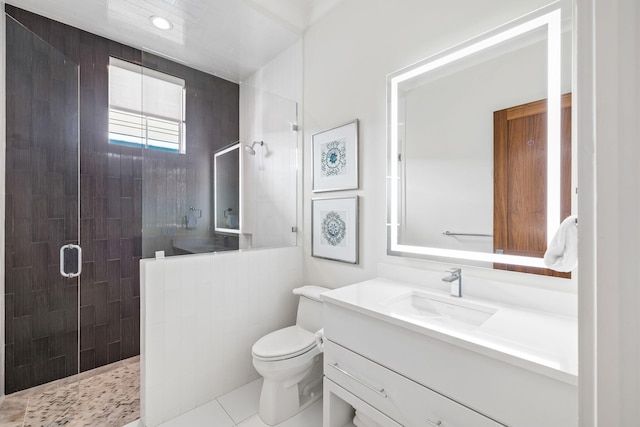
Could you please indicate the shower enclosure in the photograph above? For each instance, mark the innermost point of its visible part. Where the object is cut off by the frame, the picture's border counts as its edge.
(42, 211)
(66, 185)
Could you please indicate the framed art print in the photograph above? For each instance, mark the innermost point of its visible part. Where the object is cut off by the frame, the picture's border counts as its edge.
(335, 158)
(334, 225)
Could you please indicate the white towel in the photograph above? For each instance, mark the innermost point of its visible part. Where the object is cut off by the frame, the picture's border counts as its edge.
(362, 420)
(191, 220)
(232, 221)
(562, 252)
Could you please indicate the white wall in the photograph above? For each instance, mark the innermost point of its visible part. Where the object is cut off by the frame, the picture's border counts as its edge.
(609, 155)
(269, 104)
(347, 56)
(200, 316)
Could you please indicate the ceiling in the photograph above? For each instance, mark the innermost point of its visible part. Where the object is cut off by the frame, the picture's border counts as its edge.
(228, 38)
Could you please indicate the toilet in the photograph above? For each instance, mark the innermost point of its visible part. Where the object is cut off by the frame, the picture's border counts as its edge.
(291, 362)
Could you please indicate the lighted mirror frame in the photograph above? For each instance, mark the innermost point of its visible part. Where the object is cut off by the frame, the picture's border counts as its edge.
(216, 156)
(549, 17)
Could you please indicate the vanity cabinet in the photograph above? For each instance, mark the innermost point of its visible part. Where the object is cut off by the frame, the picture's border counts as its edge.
(401, 399)
(415, 376)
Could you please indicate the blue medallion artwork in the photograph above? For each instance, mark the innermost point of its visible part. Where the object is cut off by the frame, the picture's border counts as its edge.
(334, 229)
(333, 160)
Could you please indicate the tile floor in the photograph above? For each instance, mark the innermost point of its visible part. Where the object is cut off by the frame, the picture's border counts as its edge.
(239, 408)
(108, 396)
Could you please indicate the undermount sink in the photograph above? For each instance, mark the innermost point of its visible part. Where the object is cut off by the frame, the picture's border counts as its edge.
(423, 307)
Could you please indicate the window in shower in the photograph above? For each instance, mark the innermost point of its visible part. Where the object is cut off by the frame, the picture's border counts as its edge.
(146, 108)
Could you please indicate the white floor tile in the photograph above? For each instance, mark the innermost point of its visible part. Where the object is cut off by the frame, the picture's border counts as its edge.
(242, 402)
(208, 415)
(310, 417)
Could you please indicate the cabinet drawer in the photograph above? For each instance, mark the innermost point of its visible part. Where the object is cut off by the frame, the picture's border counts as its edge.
(401, 399)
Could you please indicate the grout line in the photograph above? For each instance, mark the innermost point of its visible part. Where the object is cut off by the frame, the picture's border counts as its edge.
(227, 412)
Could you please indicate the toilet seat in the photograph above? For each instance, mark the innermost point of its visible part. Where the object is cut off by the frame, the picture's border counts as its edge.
(283, 344)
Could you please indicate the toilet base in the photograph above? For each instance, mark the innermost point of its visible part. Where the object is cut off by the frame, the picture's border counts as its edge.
(280, 401)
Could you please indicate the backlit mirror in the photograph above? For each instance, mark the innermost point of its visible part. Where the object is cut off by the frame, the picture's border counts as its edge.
(227, 189)
(479, 146)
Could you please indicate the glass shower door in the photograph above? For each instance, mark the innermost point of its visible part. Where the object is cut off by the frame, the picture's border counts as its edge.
(42, 209)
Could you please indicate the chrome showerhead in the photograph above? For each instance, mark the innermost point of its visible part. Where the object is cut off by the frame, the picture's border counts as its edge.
(250, 150)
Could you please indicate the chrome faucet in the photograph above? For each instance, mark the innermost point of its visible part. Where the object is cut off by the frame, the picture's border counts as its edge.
(455, 279)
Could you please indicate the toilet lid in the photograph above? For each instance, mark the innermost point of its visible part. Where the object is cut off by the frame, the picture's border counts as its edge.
(284, 343)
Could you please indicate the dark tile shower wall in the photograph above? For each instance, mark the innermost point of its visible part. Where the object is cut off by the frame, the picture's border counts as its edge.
(111, 184)
(173, 183)
(41, 210)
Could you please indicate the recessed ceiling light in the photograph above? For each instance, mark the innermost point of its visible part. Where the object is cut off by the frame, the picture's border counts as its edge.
(161, 22)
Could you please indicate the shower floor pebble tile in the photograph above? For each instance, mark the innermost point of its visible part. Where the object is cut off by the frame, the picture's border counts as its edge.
(105, 397)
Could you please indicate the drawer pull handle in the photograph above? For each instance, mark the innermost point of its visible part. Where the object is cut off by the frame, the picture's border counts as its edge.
(434, 423)
(380, 391)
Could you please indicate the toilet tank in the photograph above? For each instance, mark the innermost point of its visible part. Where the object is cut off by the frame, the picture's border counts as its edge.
(310, 307)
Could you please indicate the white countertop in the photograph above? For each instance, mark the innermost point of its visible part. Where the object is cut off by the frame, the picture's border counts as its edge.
(542, 342)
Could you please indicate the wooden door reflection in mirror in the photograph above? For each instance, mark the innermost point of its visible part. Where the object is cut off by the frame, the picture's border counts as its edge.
(520, 181)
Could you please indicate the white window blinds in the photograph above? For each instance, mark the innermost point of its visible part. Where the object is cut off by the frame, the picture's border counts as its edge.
(146, 107)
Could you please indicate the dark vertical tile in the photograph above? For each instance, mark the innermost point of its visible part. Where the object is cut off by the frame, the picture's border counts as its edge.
(100, 302)
(71, 308)
(40, 269)
(55, 368)
(113, 165)
(87, 237)
(21, 244)
(100, 214)
(126, 261)
(55, 239)
(114, 232)
(22, 283)
(126, 186)
(40, 220)
(113, 197)
(87, 327)
(87, 191)
(22, 341)
(126, 291)
(114, 352)
(87, 360)
(126, 165)
(113, 268)
(100, 260)
(39, 315)
(87, 279)
(101, 345)
(20, 183)
(71, 358)
(113, 328)
(55, 326)
(9, 316)
(55, 289)
(55, 203)
(71, 218)
(128, 338)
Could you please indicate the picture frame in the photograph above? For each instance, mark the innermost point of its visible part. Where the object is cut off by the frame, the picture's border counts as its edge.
(335, 158)
(334, 229)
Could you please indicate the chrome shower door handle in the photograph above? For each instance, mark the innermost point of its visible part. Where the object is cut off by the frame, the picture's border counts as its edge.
(72, 266)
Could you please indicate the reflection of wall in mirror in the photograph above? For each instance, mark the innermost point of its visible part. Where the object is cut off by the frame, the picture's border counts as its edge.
(448, 148)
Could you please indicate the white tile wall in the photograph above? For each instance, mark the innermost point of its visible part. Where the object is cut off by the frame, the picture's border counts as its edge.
(269, 103)
(200, 316)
